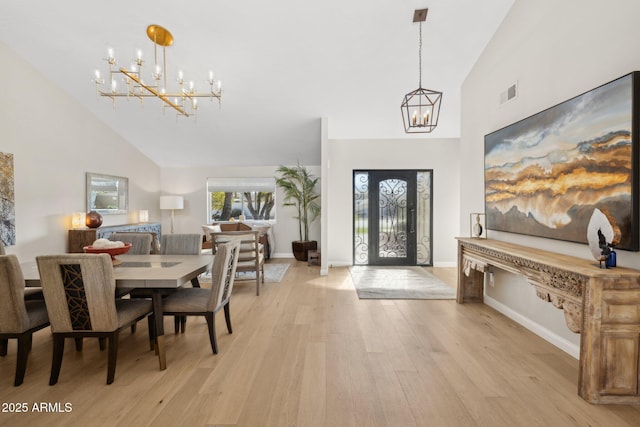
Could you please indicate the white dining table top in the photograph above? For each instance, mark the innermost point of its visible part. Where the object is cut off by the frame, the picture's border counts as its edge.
(144, 271)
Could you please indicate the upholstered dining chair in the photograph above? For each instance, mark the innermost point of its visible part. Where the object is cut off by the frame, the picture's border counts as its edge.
(140, 242)
(182, 244)
(251, 256)
(18, 318)
(31, 292)
(79, 290)
(207, 302)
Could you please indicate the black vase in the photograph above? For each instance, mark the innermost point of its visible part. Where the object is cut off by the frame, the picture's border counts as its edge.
(94, 219)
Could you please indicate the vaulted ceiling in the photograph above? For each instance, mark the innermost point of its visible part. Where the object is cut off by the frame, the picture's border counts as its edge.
(284, 64)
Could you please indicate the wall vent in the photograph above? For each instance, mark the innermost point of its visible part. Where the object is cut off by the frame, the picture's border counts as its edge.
(510, 94)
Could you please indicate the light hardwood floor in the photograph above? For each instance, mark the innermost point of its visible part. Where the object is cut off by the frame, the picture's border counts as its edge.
(307, 352)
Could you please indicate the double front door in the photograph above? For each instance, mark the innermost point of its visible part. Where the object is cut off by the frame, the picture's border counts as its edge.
(392, 217)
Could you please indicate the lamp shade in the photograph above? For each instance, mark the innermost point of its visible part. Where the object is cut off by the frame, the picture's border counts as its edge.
(78, 220)
(171, 202)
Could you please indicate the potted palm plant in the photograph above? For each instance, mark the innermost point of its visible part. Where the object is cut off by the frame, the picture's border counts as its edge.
(300, 191)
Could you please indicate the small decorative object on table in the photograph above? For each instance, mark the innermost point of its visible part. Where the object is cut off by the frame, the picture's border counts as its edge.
(477, 225)
(105, 246)
(313, 258)
(93, 219)
(612, 260)
(603, 235)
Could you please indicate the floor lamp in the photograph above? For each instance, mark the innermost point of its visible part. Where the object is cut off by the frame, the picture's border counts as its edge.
(173, 203)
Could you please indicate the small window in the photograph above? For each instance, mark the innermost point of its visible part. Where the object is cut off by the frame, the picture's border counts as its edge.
(241, 199)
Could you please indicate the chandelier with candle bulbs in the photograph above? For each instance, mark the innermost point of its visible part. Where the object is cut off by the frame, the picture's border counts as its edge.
(129, 82)
(421, 107)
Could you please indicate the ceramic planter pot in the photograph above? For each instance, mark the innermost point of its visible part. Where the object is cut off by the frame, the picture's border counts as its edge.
(301, 247)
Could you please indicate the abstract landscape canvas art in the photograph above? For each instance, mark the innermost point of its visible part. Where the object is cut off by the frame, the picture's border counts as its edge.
(545, 174)
(7, 201)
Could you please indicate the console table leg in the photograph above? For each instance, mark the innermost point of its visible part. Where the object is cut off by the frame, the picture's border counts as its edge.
(470, 286)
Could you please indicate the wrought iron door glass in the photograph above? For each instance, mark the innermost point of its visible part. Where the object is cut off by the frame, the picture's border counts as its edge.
(392, 218)
(423, 215)
(361, 218)
(396, 221)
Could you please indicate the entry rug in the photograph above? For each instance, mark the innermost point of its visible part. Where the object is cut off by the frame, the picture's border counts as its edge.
(374, 282)
(273, 273)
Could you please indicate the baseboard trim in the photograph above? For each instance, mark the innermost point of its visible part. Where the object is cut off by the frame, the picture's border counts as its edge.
(445, 264)
(282, 255)
(339, 264)
(349, 264)
(563, 344)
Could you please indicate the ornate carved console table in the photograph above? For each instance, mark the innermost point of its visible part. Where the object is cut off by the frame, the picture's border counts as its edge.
(603, 305)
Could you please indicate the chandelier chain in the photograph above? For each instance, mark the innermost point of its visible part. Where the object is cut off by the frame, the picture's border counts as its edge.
(420, 58)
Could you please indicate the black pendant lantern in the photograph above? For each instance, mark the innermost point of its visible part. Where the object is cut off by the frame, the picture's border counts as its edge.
(421, 107)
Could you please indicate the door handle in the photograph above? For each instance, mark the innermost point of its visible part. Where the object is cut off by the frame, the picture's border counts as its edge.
(412, 221)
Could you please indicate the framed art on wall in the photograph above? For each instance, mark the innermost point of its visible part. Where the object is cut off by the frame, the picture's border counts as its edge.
(107, 194)
(545, 174)
(7, 201)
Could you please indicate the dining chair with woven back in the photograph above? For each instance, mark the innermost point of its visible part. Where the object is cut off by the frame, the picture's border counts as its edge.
(207, 302)
(79, 291)
(19, 318)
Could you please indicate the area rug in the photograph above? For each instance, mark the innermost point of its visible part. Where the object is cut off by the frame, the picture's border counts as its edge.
(373, 282)
(273, 273)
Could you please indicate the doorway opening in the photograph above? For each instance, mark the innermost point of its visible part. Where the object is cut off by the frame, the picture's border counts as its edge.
(392, 217)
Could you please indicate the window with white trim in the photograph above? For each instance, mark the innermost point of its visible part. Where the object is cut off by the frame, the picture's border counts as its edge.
(241, 199)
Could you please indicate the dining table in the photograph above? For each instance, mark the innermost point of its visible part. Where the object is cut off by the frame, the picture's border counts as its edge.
(157, 274)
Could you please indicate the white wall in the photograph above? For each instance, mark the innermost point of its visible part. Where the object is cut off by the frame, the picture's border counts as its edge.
(441, 155)
(54, 143)
(192, 184)
(345, 156)
(554, 50)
